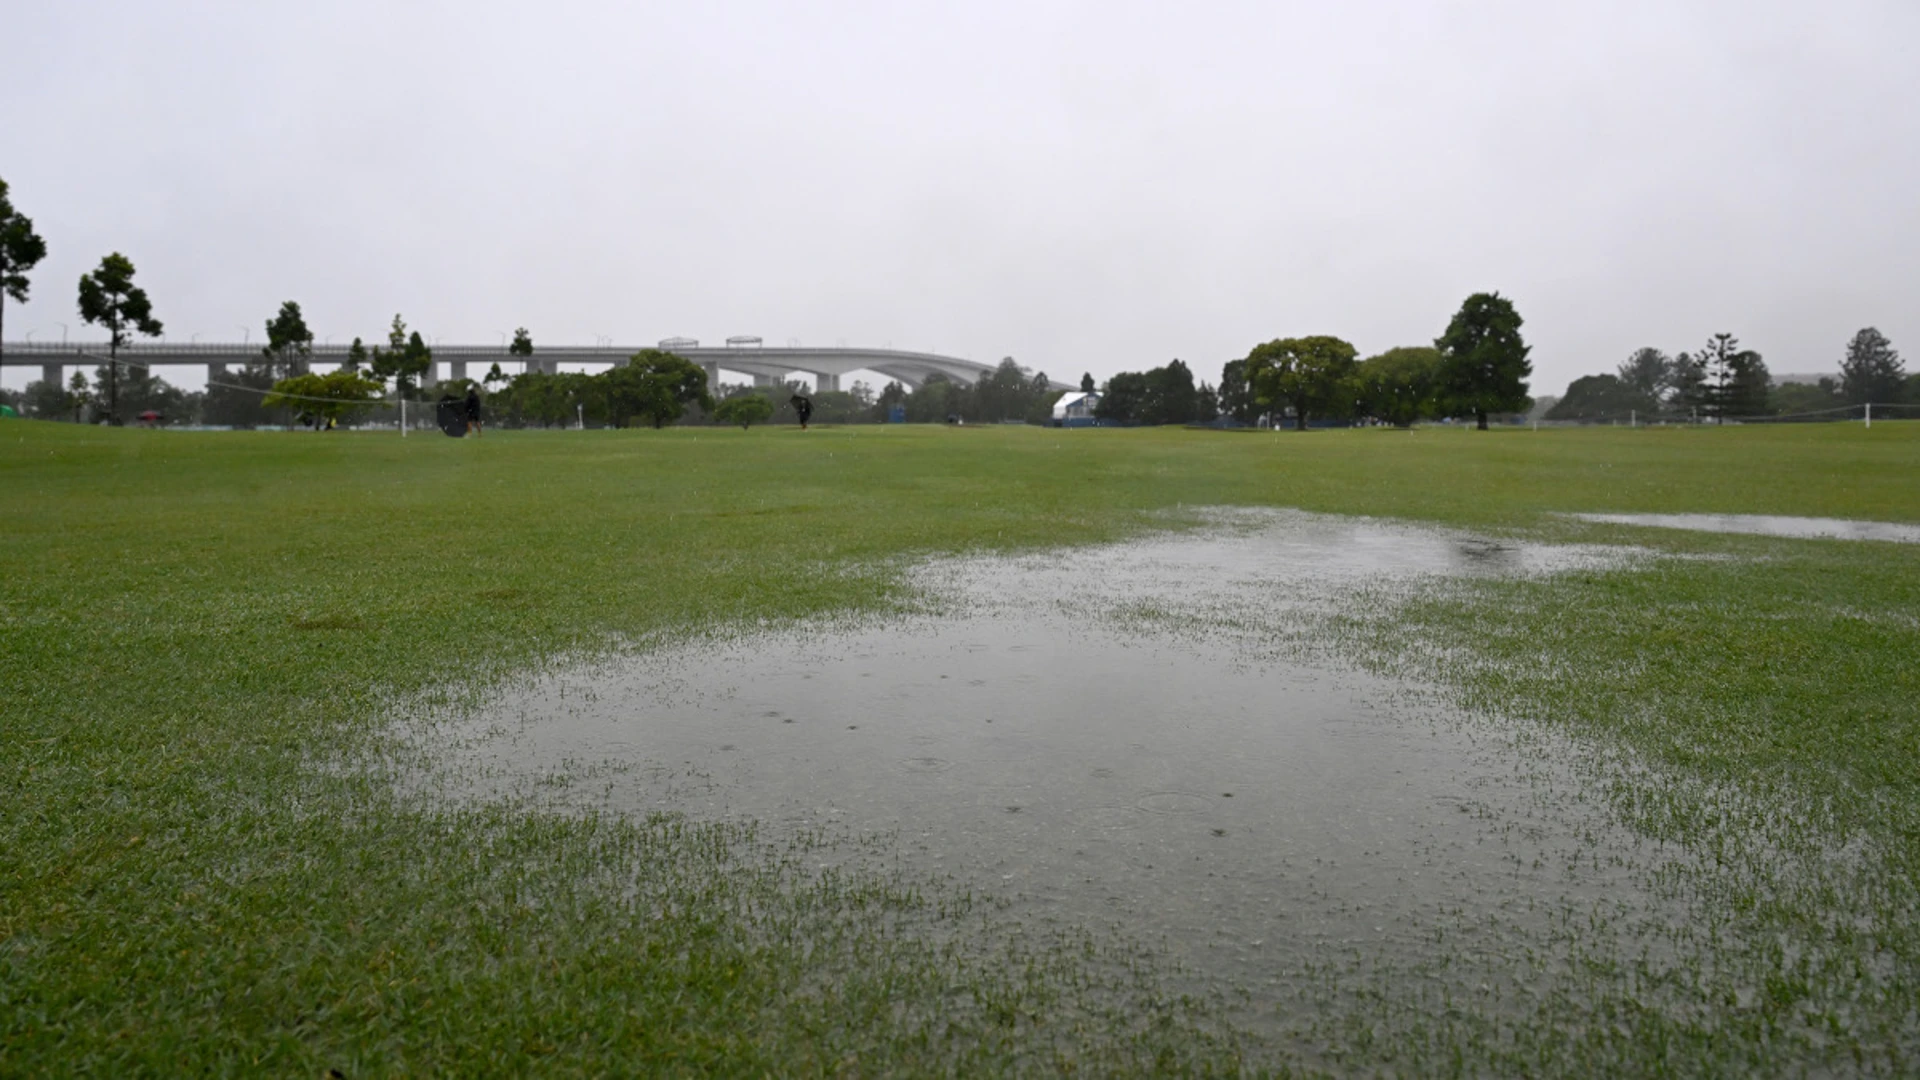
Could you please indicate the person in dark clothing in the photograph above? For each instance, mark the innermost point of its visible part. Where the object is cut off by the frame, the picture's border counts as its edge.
(473, 410)
(801, 408)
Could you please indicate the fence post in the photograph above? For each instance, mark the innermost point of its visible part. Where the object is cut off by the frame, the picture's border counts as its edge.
(1869, 414)
(403, 417)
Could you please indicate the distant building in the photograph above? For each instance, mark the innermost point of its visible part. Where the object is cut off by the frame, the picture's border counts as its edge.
(1075, 409)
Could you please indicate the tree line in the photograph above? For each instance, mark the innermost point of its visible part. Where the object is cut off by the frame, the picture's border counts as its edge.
(1723, 381)
(1477, 368)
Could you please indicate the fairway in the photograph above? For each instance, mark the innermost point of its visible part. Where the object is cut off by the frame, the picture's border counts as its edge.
(220, 652)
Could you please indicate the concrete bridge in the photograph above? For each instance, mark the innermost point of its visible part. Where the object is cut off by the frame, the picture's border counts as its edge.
(768, 365)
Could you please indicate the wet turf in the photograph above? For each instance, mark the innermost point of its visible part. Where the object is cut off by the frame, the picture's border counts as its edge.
(203, 866)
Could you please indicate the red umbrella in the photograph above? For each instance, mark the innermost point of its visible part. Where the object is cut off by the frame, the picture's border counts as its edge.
(149, 415)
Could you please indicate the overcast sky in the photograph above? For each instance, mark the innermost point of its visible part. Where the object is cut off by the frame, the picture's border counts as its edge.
(1086, 187)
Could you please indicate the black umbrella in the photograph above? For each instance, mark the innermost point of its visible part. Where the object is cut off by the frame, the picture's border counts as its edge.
(451, 415)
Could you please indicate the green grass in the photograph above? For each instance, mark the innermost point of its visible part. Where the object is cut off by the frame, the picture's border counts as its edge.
(193, 625)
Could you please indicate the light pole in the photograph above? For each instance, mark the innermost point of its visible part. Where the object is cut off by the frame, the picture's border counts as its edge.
(30, 334)
(63, 333)
(246, 336)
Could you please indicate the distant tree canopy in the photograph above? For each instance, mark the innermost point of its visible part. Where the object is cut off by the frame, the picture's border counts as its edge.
(1400, 385)
(289, 345)
(1008, 393)
(522, 343)
(139, 390)
(334, 396)
(406, 360)
(1724, 380)
(1603, 397)
(744, 409)
(654, 386)
(1236, 395)
(1790, 398)
(1720, 380)
(236, 398)
(537, 397)
(1649, 372)
(1311, 375)
(1484, 365)
(1871, 370)
(46, 399)
(1124, 399)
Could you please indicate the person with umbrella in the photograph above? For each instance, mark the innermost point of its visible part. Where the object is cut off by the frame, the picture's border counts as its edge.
(801, 408)
(473, 410)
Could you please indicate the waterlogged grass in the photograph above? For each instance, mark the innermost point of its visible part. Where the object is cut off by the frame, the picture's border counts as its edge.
(196, 629)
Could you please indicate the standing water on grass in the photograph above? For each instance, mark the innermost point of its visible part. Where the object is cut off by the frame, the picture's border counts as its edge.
(1802, 528)
(1154, 737)
(1168, 740)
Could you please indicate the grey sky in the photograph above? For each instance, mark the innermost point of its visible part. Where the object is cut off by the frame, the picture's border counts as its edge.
(1087, 187)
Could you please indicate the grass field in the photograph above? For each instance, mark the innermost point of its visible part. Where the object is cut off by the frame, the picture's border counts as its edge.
(197, 629)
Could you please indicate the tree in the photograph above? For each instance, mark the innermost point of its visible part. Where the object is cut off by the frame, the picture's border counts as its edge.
(140, 390)
(356, 356)
(1795, 397)
(1236, 397)
(1397, 387)
(1689, 382)
(1602, 397)
(1171, 397)
(1206, 404)
(745, 410)
(891, 395)
(550, 399)
(494, 375)
(405, 360)
(655, 385)
(237, 401)
(522, 347)
(333, 396)
(1001, 395)
(1750, 389)
(1125, 399)
(21, 249)
(1872, 371)
(935, 400)
(1312, 374)
(109, 298)
(1732, 381)
(1484, 365)
(1086, 383)
(1648, 372)
(48, 400)
(289, 343)
(79, 393)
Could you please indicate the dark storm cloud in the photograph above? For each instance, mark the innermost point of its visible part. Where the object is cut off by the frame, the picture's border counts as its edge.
(1083, 186)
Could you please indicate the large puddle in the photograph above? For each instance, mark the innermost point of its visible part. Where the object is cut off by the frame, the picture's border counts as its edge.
(1135, 737)
(1804, 528)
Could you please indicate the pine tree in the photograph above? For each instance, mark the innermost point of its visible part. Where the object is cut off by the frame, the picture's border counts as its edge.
(109, 298)
(1872, 371)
